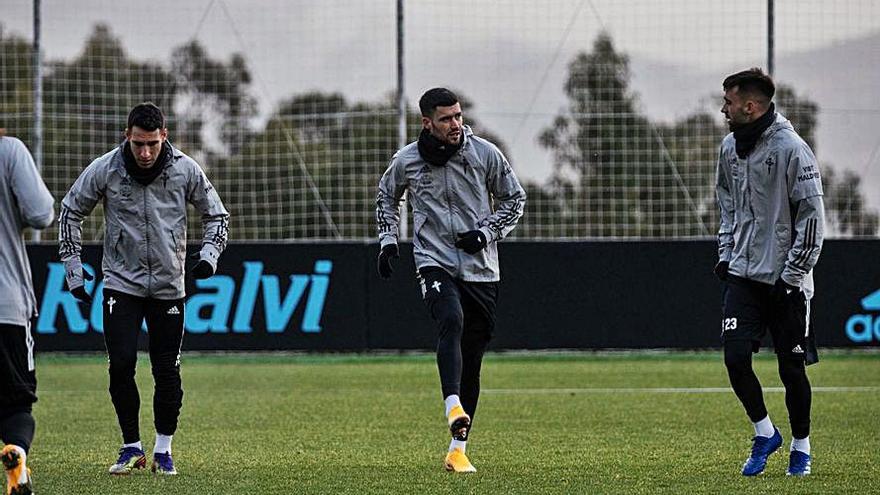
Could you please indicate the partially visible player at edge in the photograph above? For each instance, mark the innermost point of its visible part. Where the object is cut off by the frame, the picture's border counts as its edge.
(465, 197)
(772, 226)
(144, 185)
(24, 202)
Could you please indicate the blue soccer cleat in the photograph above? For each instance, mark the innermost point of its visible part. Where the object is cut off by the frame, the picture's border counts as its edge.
(163, 464)
(130, 458)
(761, 450)
(798, 463)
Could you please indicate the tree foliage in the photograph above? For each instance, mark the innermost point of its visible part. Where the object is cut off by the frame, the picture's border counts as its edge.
(617, 173)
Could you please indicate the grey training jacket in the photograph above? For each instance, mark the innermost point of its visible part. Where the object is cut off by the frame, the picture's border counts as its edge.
(145, 226)
(772, 213)
(24, 202)
(447, 200)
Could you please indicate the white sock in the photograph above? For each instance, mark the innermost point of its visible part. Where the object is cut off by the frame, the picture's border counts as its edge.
(163, 444)
(22, 478)
(764, 428)
(801, 444)
(458, 444)
(451, 402)
(136, 445)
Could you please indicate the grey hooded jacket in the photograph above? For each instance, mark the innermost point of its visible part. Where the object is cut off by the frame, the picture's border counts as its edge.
(476, 189)
(145, 226)
(24, 202)
(772, 213)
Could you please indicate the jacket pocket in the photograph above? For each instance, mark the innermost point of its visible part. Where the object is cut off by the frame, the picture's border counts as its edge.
(419, 220)
(783, 242)
(178, 247)
(114, 248)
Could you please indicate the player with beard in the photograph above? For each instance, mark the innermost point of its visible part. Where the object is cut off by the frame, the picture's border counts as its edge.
(772, 226)
(465, 197)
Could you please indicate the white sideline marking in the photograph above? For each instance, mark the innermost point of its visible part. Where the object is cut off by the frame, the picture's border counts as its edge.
(659, 390)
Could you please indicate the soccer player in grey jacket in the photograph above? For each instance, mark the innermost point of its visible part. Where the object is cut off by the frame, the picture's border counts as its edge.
(772, 226)
(465, 197)
(144, 186)
(24, 202)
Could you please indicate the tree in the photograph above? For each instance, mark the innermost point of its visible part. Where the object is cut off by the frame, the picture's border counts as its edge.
(619, 174)
(846, 210)
(87, 99)
(16, 83)
(209, 90)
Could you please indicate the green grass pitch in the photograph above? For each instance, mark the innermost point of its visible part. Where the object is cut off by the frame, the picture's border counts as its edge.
(547, 423)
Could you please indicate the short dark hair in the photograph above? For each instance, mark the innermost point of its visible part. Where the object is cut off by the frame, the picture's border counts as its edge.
(752, 81)
(147, 116)
(436, 97)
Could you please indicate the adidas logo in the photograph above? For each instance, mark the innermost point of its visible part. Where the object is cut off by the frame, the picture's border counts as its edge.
(173, 311)
(797, 349)
(865, 328)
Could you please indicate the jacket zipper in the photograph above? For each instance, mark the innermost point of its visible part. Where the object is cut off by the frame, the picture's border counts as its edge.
(752, 212)
(449, 210)
(147, 239)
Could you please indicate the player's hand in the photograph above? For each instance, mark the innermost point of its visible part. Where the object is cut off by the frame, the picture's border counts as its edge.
(80, 292)
(202, 269)
(472, 241)
(383, 264)
(783, 289)
(721, 270)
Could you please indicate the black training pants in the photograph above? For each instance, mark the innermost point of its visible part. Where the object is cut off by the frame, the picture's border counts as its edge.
(18, 386)
(123, 314)
(750, 309)
(465, 313)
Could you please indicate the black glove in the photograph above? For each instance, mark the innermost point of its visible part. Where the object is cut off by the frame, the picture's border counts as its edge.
(784, 289)
(388, 252)
(721, 270)
(80, 292)
(201, 269)
(471, 241)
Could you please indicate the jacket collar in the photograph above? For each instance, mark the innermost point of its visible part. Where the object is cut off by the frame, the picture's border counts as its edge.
(117, 160)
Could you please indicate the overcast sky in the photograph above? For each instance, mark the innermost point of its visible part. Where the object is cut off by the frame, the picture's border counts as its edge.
(508, 56)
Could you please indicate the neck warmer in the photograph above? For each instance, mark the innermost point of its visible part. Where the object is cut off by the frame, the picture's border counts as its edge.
(437, 152)
(145, 175)
(746, 135)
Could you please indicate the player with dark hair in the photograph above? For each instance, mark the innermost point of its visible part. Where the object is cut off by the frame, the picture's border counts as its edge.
(144, 186)
(772, 227)
(465, 197)
(24, 202)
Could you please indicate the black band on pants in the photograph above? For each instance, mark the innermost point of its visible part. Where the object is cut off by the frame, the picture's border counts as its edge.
(750, 309)
(123, 315)
(465, 314)
(17, 426)
(18, 386)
